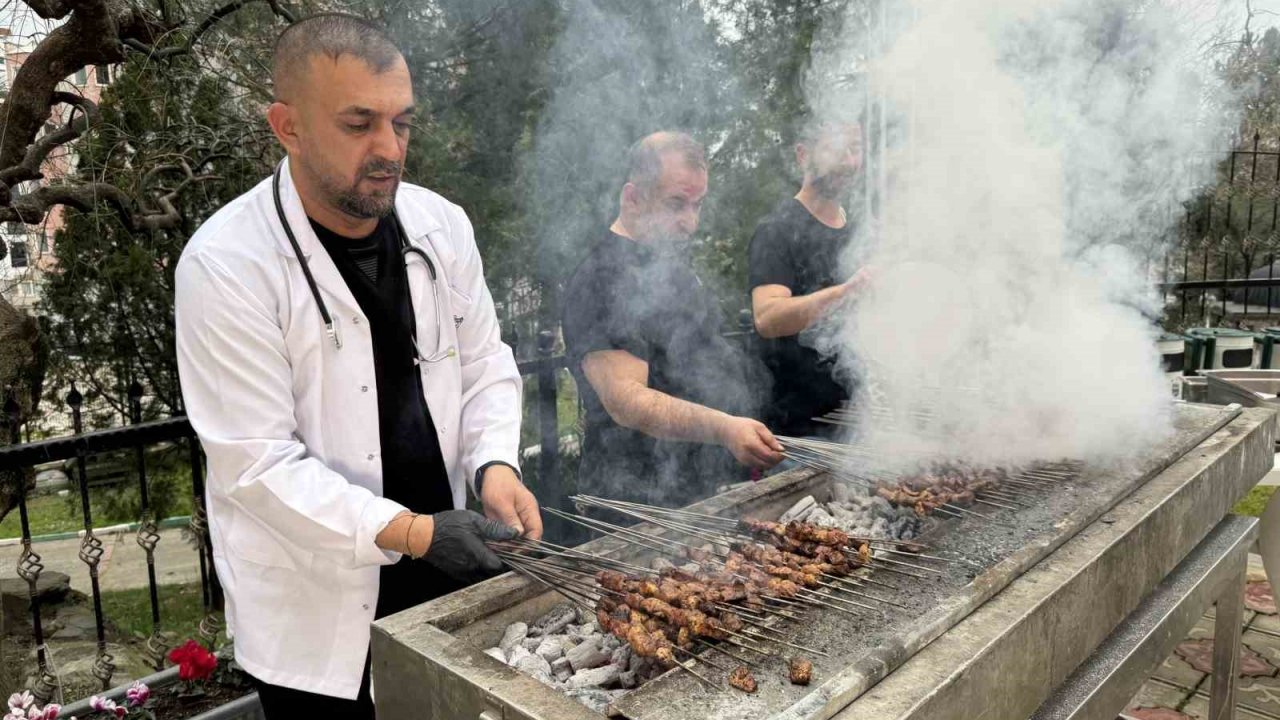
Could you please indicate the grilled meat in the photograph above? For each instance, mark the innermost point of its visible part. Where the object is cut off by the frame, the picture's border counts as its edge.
(800, 671)
(742, 679)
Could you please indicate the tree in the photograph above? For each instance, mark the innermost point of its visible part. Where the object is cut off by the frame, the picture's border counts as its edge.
(91, 33)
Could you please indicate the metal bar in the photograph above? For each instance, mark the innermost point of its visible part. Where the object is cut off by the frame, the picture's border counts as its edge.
(29, 565)
(13, 457)
(91, 548)
(148, 533)
(548, 420)
(1228, 617)
(1226, 268)
(1271, 267)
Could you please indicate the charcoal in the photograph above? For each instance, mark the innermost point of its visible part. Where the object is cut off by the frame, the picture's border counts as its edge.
(517, 654)
(803, 505)
(821, 517)
(621, 656)
(594, 677)
(550, 648)
(534, 665)
(627, 680)
(515, 634)
(587, 655)
(561, 669)
(555, 621)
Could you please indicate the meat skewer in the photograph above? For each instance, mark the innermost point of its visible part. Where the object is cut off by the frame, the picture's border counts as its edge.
(532, 574)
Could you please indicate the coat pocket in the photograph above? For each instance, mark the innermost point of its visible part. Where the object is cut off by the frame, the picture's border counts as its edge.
(249, 540)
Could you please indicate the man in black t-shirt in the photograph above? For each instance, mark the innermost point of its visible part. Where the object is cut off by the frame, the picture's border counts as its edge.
(795, 257)
(668, 400)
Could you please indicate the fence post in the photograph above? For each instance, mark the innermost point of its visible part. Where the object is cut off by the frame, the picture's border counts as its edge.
(29, 565)
(91, 551)
(548, 419)
(148, 533)
(210, 588)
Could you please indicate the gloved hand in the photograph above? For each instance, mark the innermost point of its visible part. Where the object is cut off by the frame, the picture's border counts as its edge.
(457, 544)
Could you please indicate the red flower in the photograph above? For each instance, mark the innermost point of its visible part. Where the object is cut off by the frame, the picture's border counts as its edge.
(194, 662)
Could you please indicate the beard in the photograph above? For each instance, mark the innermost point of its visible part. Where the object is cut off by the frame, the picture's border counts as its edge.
(351, 200)
(833, 185)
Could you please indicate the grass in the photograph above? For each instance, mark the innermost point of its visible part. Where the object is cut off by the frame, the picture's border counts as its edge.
(1256, 501)
(50, 514)
(181, 610)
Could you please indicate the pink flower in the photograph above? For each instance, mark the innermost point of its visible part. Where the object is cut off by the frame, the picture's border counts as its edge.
(101, 704)
(137, 694)
(50, 712)
(15, 714)
(21, 701)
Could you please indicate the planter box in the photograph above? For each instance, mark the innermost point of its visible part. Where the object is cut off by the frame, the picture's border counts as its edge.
(243, 708)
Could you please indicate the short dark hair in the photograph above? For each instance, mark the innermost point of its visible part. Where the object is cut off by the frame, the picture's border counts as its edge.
(646, 156)
(332, 35)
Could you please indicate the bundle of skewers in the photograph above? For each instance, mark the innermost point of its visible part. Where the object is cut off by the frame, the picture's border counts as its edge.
(734, 595)
(948, 489)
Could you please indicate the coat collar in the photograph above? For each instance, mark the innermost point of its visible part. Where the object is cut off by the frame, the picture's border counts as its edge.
(417, 221)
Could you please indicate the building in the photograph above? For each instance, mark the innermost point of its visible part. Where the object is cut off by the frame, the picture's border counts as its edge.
(31, 252)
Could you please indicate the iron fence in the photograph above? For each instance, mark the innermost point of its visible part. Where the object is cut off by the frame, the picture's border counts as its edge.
(1223, 268)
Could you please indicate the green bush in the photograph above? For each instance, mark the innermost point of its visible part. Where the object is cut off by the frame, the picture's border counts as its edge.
(168, 489)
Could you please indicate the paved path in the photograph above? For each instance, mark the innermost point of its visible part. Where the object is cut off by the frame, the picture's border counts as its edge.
(1180, 688)
(123, 565)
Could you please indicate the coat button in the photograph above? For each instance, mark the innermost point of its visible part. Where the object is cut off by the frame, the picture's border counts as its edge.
(365, 606)
(370, 457)
(356, 321)
(364, 388)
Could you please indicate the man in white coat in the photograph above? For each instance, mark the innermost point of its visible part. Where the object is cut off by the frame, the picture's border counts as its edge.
(341, 363)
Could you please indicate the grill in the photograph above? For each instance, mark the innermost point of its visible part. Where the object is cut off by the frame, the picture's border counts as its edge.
(1028, 595)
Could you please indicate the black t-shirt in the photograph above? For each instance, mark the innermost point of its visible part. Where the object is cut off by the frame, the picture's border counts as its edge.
(793, 248)
(626, 296)
(413, 470)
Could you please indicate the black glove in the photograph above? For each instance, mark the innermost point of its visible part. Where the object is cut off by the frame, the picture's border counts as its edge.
(457, 545)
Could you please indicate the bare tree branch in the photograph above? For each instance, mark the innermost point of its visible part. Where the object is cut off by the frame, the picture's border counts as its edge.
(31, 208)
(29, 168)
(212, 19)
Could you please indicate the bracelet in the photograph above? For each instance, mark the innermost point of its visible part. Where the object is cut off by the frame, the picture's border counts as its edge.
(407, 547)
(407, 530)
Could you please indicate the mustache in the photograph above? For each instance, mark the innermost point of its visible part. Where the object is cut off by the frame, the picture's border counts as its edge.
(386, 167)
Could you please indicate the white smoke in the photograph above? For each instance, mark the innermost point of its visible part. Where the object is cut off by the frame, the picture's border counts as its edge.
(1044, 146)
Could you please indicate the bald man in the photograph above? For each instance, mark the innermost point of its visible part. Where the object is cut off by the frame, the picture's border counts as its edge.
(341, 363)
(669, 402)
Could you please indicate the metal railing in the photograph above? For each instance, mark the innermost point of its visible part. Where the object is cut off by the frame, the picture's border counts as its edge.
(1233, 227)
(17, 458)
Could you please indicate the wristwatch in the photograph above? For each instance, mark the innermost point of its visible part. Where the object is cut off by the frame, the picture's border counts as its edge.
(480, 474)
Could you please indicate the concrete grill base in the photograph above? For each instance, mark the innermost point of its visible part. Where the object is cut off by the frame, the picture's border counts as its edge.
(428, 661)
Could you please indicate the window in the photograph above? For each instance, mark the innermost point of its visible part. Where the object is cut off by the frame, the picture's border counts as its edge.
(14, 227)
(18, 254)
(82, 76)
(27, 289)
(102, 74)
